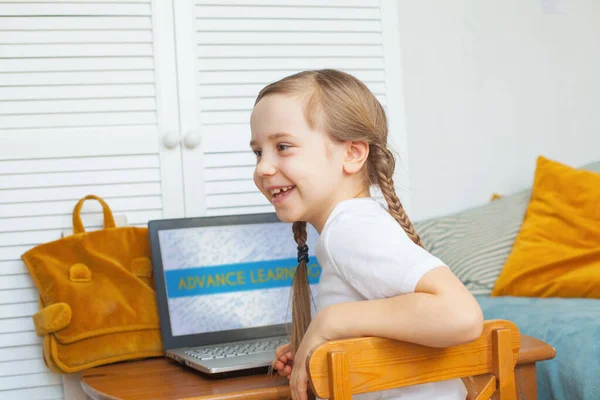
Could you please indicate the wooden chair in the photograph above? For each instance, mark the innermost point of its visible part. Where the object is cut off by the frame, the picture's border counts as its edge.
(340, 368)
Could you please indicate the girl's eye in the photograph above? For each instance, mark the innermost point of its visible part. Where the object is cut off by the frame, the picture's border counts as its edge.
(257, 153)
(282, 147)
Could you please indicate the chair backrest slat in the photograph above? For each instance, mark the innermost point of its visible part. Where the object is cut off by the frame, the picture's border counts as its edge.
(339, 372)
(502, 366)
(483, 385)
(340, 368)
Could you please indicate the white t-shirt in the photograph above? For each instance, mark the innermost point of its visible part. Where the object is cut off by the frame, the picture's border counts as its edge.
(365, 254)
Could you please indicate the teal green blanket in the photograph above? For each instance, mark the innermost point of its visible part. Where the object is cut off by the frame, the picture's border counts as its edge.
(572, 327)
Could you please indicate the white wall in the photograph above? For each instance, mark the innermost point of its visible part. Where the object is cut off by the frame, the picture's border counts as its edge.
(490, 85)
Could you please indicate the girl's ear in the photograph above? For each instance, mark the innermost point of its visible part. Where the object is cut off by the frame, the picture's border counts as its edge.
(357, 153)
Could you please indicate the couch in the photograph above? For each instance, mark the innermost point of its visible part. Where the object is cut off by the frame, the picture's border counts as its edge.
(475, 243)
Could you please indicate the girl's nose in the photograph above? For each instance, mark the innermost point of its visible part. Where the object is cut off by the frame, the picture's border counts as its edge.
(265, 167)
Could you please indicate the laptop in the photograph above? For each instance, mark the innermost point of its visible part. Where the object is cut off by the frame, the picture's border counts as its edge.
(223, 288)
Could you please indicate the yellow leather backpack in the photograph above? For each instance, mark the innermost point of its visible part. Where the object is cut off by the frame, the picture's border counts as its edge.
(97, 301)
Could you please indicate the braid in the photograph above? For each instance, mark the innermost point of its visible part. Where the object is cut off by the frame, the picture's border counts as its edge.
(300, 289)
(383, 163)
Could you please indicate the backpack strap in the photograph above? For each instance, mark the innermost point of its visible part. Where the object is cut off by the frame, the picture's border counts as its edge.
(109, 221)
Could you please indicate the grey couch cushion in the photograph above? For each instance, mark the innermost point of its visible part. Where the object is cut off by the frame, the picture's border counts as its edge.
(475, 243)
(594, 167)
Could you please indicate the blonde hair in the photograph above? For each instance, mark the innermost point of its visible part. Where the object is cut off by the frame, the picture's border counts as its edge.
(346, 110)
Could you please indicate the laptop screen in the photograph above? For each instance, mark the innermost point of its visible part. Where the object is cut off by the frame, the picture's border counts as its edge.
(229, 277)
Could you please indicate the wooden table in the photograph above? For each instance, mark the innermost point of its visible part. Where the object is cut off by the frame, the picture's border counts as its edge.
(161, 378)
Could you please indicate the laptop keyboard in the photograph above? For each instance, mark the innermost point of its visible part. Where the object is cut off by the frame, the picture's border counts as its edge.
(237, 349)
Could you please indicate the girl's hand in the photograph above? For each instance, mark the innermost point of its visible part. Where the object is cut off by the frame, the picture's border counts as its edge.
(284, 360)
(299, 376)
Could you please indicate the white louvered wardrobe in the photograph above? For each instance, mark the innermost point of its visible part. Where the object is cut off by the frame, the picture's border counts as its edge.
(146, 103)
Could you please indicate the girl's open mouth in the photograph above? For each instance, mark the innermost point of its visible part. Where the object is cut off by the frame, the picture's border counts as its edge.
(279, 195)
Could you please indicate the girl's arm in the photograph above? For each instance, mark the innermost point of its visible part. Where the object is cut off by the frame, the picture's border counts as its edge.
(441, 313)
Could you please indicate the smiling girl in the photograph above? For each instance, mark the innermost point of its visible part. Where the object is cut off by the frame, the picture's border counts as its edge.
(320, 139)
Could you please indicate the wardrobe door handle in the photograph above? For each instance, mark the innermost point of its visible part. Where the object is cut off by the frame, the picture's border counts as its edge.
(171, 139)
(192, 139)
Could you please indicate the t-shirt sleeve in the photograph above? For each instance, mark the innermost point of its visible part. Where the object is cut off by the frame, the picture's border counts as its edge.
(377, 258)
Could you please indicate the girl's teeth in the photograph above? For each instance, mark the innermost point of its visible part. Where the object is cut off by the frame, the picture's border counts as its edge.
(285, 189)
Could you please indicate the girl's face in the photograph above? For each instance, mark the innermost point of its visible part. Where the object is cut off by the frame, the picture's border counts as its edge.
(298, 169)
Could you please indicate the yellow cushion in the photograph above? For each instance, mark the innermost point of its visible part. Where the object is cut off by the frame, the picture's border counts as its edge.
(495, 196)
(557, 250)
